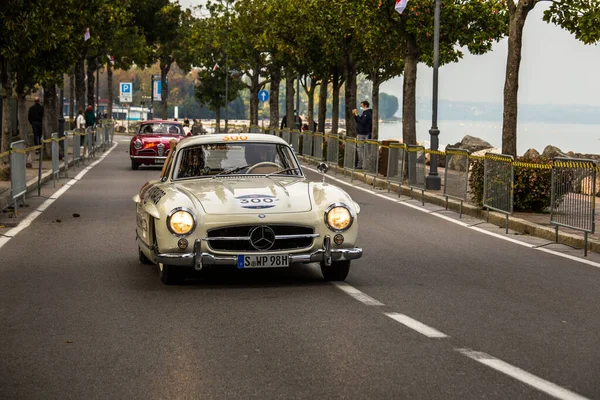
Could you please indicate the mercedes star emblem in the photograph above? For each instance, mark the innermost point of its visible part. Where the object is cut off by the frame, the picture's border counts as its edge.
(262, 237)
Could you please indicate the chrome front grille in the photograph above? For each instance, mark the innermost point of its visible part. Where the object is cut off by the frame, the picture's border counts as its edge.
(260, 238)
(161, 149)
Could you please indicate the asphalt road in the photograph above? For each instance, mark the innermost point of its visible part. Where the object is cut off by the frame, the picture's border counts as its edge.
(481, 317)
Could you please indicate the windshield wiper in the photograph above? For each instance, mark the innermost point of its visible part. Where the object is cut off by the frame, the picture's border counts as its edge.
(282, 171)
(231, 171)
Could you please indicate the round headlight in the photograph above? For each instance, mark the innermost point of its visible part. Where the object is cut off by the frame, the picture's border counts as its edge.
(338, 218)
(137, 144)
(181, 222)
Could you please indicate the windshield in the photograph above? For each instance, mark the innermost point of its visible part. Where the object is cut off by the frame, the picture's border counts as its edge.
(215, 160)
(161, 129)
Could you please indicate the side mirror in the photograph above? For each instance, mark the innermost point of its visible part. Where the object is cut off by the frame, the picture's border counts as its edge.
(323, 168)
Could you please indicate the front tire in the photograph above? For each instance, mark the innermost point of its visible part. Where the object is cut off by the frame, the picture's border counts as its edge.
(337, 271)
(134, 165)
(143, 259)
(170, 275)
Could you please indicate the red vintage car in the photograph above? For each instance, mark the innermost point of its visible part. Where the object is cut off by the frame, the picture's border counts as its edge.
(150, 145)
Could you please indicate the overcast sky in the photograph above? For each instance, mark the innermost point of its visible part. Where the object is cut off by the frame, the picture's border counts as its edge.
(555, 69)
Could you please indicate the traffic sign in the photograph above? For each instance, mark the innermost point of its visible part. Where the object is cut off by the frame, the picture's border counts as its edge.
(156, 88)
(126, 92)
(263, 95)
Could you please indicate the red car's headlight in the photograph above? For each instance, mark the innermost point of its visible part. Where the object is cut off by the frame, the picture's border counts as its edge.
(137, 144)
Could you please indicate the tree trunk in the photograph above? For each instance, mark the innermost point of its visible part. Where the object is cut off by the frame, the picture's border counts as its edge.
(50, 116)
(109, 84)
(350, 95)
(409, 92)
(164, 70)
(24, 126)
(7, 117)
(375, 106)
(335, 103)
(71, 101)
(274, 99)
(80, 84)
(218, 120)
(518, 15)
(254, 89)
(322, 114)
(311, 104)
(91, 68)
(289, 98)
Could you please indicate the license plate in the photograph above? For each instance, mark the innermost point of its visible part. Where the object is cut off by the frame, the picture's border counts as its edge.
(263, 261)
(159, 161)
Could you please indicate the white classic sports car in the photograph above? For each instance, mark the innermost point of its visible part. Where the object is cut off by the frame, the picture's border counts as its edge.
(242, 200)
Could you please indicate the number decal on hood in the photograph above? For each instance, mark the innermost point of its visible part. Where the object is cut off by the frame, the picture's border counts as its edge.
(257, 201)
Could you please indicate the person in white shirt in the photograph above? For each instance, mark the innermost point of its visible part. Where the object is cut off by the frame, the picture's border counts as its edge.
(80, 125)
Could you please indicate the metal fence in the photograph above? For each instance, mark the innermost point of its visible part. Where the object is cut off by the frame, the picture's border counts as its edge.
(255, 129)
(77, 147)
(285, 135)
(498, 184)
(55, 157)
(371, 159)
(318, 146)
(307, 144)
(66, 153)
(18, 174)
(350, 156)
(573, 203)
(89, 139)
(295, 143)
(395, 167)
(333, 150)
(456, 176)
(416, 169)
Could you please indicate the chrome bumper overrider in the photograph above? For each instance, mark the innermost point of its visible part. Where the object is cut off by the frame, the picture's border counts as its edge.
(198, 259)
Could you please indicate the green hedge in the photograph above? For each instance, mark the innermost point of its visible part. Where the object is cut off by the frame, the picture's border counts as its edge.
(532, 188)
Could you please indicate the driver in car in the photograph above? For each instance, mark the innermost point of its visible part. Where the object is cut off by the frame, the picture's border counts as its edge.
(260, 158)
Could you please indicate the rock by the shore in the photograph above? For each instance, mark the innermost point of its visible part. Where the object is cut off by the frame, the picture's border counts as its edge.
(474, 144)
(553, 151)
(531, 154)
(587, 186)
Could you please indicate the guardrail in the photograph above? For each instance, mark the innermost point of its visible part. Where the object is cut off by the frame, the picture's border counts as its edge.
(498, 184)
(95, 139)
(573, 202)
(456, 176)
(416, 169)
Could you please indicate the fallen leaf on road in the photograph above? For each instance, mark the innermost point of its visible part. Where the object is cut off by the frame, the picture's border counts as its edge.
(76, 215)
(69, 341)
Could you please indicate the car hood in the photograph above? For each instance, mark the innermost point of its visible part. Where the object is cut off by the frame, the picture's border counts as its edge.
(158, 138)
(249, 195)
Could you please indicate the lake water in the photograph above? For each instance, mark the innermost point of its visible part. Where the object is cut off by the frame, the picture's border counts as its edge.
(567, 137)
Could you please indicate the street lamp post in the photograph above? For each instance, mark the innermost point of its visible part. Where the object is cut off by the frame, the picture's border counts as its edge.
(433, 180)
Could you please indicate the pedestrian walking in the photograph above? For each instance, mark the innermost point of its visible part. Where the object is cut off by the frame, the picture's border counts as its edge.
(90, 117)
(364, 129)
(36, 119)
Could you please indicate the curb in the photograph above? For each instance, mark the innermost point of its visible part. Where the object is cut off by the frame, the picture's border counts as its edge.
(519, 225)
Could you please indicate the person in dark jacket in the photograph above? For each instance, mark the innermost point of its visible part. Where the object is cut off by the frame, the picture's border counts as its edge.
(297, 121)
(364, 130)
(36, 119)
(90, 117)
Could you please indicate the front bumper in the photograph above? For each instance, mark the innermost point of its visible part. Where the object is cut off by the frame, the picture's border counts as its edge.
(198, 259)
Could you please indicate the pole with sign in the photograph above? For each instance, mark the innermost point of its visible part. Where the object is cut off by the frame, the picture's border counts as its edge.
(263, 96)
(126, 92)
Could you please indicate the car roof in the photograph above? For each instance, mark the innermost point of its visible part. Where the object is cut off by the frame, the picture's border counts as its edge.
(231, 138)
(160, 121)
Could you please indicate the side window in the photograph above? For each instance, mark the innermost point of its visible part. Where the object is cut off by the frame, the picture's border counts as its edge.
(167, 166)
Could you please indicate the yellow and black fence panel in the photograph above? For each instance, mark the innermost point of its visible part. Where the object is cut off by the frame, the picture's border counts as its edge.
(307, 144)
(396, 164)
(456, 175)
(333, 150)
(498, 178)
(295, 140)
(416, 169)
(370, 159)
(350, 148)
(318, 145)
(573, 202)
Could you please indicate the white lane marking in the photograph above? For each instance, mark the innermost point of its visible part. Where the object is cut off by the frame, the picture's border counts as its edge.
(521, 375)
(34, 214)
(419, 208)
(357, 294)
(416, 325)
